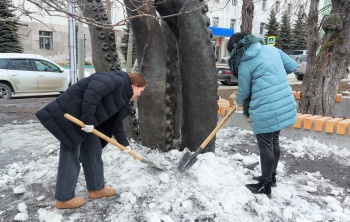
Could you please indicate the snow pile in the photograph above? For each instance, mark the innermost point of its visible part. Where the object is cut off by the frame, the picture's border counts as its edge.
(213, 189)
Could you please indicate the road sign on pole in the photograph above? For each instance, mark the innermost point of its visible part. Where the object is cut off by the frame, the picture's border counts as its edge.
(271, 40)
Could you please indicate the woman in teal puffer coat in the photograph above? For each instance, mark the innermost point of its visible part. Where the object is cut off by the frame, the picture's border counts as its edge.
(265, 94)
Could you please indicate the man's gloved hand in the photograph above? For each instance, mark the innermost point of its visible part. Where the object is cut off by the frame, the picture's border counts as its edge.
(88, 128)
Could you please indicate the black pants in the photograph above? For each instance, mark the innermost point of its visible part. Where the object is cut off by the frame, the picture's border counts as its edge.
(269, 153)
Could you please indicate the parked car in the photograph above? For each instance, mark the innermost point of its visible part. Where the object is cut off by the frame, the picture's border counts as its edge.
(29, 73)
(297, 53)
(224, 74)
(302, 62)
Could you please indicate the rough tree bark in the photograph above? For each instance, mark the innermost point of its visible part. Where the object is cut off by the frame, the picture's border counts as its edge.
(247, 16)
(197, 65)
(151, 57)
(104, 56)
(192, 88)
(325, 71)
(173, 87)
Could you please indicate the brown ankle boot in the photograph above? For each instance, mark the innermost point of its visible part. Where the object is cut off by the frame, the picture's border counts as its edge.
(104, 192)
(70, 204)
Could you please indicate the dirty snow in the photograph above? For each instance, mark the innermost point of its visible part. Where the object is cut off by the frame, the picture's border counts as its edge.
(212, 190)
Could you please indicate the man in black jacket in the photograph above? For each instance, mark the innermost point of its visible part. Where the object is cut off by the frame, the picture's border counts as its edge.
(101, 101)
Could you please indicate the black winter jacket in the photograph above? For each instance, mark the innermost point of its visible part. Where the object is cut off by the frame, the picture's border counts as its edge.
(101, 99)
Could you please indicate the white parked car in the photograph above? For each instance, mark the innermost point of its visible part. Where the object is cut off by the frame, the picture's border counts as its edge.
(29, 73)
(301, 70)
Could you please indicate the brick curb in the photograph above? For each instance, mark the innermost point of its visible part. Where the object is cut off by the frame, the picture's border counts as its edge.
(328, 130)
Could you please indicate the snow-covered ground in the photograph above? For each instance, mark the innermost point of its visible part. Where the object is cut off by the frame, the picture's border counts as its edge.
(212, 190)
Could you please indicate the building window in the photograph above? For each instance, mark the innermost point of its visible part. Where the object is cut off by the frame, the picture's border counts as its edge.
(301, 9)
(262, 28)
(263, 5)
(215, 22)
(217, 1)
(45, 40)
(277, 6)
(234, 3)
(290, 7)
(232, 23)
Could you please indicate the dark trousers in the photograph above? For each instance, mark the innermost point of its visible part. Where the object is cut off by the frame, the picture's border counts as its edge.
(90, 153)
(269, 153)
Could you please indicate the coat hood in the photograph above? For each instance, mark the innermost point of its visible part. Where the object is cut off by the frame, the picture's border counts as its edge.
(246, 48)
(252, 51)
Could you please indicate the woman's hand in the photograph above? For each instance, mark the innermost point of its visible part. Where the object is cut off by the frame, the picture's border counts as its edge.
(88, 128)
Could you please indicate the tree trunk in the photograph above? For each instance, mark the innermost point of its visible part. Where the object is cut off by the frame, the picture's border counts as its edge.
(197, 68)
(247, 16)
(174, 88)
(151, 57)
(104, 54)
(325, 71)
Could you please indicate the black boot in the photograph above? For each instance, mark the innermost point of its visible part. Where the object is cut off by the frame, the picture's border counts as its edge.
(263, 187)
(273, 183)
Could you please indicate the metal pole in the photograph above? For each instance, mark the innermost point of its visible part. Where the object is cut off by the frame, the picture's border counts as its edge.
(72, 45)
(81, 53)
(129, 54)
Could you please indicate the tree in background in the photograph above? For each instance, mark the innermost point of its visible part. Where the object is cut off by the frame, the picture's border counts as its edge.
(285, 38)
(9, 39)
(125, 41)
(273, 26)
(247, 16)
(326, 59)
(300, 32)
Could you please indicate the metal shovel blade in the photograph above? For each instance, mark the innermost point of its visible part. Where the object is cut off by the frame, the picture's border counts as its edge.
(151, 164)
(187, 161)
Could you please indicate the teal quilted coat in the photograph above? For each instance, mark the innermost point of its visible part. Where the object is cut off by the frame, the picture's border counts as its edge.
(262, 73)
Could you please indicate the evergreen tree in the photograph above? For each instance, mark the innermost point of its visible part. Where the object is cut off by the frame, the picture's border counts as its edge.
(300, 33)
(285, 37)
(272, 26)
(9, 39)
(125, 41)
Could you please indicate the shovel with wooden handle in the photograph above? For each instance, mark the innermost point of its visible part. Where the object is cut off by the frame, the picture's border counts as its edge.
(189, 160)
(112, 141)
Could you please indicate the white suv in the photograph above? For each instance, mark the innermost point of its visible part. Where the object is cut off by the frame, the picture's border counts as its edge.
(28, 73)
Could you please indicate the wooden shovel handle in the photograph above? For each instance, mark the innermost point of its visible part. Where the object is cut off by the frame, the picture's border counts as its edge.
(217, 128)
(103, 136)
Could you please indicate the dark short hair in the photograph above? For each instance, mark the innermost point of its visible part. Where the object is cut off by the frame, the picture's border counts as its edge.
(137, 79)
(235, 38)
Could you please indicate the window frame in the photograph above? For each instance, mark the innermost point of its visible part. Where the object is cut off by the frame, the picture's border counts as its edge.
(232, 21)
(43, 37)
(215, 22)
(277, 6)
(262, 28)
(263, 5)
